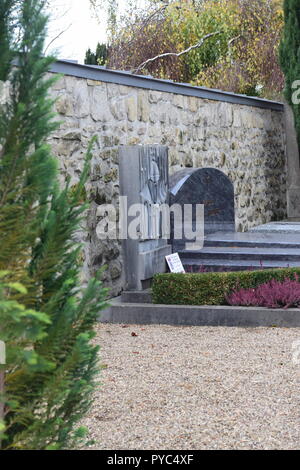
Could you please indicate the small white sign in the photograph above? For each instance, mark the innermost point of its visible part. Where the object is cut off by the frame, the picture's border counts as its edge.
(174, 263)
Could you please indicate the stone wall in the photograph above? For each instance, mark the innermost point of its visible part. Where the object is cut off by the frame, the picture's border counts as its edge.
(247, 143)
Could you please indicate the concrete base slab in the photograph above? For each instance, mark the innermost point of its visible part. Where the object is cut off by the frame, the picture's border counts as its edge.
(147, 314)
(137, 297)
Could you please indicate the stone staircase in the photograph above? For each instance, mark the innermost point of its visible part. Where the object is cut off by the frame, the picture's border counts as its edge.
(229, 251)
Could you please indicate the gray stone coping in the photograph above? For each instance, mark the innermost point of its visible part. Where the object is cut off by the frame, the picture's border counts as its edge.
(147, 314)
(278, 227)
(119, 77)
(255, 238)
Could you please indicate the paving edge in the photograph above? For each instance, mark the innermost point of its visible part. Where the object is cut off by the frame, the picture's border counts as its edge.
(149, 314)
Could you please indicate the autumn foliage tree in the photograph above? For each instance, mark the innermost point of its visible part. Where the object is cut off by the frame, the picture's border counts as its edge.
(242, 56)
(250, 64)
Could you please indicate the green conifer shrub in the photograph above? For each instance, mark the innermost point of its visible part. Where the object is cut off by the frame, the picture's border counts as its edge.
(46, 319)
(290, 55)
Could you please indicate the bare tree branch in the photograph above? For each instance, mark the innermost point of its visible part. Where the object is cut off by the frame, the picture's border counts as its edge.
(176, 54)
(145, 23)
(234, 39)
(56, 37)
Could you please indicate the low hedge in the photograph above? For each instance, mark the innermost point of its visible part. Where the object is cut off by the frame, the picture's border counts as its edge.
(210, 288)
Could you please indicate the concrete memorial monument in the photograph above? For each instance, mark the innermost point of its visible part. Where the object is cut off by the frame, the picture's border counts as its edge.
(144, 185)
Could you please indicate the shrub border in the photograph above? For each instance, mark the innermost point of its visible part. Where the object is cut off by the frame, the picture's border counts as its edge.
(210, 288)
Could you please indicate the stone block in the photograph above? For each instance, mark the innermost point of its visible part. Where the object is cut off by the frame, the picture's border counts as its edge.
(94, 83)
(82, 101)
(193, 104)
(143, 106)
(99, 104)
(117, 108)
(64, 105)
(131, 108)
(178, 101)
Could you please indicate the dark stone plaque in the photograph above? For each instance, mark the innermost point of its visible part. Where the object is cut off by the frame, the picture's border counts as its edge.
(209, 187)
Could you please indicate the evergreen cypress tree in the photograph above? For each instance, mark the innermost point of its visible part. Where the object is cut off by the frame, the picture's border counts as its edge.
(290, 55)
(101, 53)
(46, 320)
(99, 57)
(90, 58)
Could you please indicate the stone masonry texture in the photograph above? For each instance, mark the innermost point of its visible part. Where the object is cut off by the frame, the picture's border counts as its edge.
(246, 143)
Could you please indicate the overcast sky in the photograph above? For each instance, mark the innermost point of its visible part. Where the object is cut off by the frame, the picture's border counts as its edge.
(83, 31)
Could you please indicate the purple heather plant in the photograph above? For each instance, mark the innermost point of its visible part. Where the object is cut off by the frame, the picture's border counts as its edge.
(273, 294)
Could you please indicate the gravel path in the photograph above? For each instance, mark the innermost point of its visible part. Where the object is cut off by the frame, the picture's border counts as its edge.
(196, 388)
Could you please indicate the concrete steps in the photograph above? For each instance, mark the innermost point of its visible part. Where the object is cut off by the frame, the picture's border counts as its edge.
(218, 265)
(244, 251)
(241, 253)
